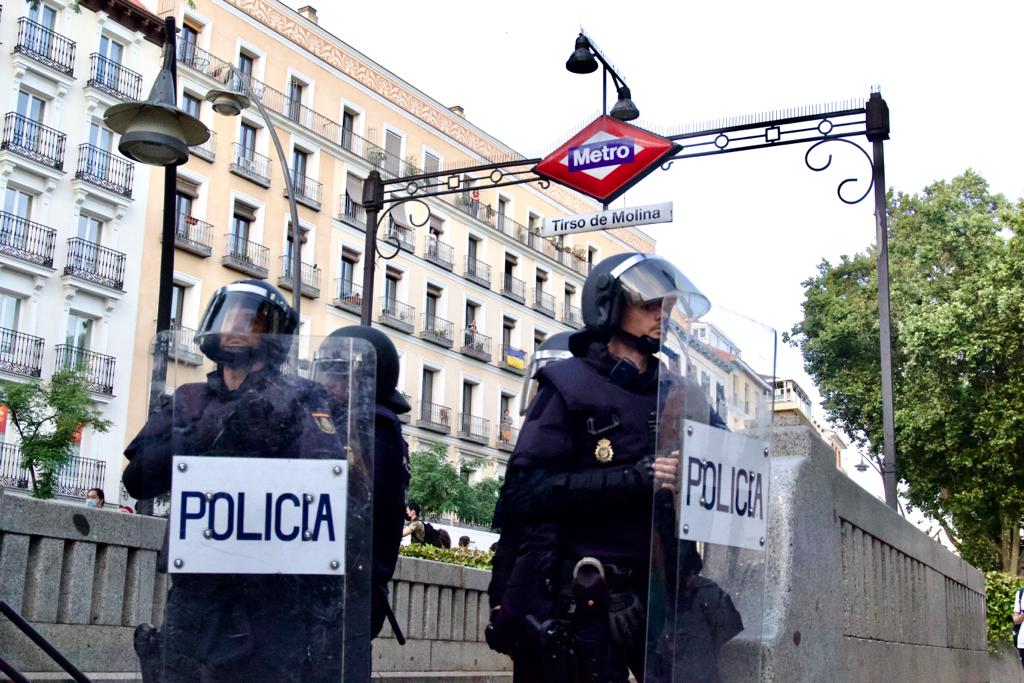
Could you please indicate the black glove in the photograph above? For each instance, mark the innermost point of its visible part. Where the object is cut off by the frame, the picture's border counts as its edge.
(499, 633)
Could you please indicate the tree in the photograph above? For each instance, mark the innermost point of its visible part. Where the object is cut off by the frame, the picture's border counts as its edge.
(437, 487)
(48, 418)
(957, 301)
(476, 505)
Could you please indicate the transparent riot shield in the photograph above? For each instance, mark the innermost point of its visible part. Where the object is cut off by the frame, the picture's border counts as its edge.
(267, 456)
(710, 517)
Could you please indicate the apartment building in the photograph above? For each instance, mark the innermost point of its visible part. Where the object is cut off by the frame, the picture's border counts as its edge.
(73, 213)
(472, 288)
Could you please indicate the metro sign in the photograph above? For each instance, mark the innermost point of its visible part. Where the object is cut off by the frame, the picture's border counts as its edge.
(606, 158)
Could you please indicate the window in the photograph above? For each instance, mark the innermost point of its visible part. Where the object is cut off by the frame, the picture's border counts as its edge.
(90, 231)
(542, 279)
(17, 204)
(111, 54)
(508, 326)
(191, 104)
(391, 287)
(471, 313)
(538, 339)
(534, 222)
(177, 304)
(392, 151)
(240, 224)
(246, 63)
(471, 251)
(570, 292)
(348, 124)
(348, 269)
(79, 334)
(502, 210)
(101, 137)
(10, 314)
(295, 91)
(31, 110)
(427, 390)
(433, 299)
(300, 162)
(431, 163)
(467, 404)
(183, 204)
(303, 238)
(39, 39)
(247, 141)
(189, 35)
(31, 107)
(42, 14)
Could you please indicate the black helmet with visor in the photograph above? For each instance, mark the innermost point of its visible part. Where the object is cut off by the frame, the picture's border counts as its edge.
(247, 308)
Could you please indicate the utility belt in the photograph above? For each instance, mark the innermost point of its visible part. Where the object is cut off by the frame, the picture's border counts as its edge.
(599, 619)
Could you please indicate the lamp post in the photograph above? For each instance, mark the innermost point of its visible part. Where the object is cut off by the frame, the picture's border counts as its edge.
(158, 133)
(231, 103)
(584, 59)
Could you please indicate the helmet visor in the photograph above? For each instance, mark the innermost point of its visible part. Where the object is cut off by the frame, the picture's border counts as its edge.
(645, 278)
(241, 310)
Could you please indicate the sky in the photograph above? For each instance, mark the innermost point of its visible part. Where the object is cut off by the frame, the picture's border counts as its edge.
(748, 227)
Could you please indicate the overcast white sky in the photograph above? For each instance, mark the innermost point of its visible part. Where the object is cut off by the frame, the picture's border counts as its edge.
(749, 227)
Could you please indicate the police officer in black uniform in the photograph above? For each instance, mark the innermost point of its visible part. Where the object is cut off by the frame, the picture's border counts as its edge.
(391, 452)
(226, 628)
(575, 509)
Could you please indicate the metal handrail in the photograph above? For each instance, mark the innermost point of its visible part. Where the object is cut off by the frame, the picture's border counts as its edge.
(476, 341)
(310, 273)
(21, 353)
(191, 229)
(94, 263)
(248, 162)
(475, 268)
(46, 46)
(438, 327)
(513, 285)
(21, 238)
(435, 413)
(100, 167)
(33, 140)
(98, 368)
(394, 308)
(114, 78)
(43, 644)
(472, 425)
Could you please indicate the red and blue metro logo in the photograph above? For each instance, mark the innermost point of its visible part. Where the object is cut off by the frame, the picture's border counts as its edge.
(606, 158)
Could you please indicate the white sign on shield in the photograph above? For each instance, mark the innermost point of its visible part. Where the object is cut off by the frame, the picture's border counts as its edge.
(257, 516)
(723, 488)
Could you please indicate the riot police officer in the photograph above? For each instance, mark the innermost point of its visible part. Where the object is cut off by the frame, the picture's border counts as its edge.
(224, 627)
(575, 509)
(391, 453)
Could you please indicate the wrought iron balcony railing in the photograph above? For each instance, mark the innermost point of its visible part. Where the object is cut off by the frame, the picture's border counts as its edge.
(183, 347)
(12, 474)
(45, 46)
(439, 253)
(106, 170)
(309, 273)
(21, 354)
(33, 140)
(513, 288)
(79, 475)
(572, 316)
(307, 191)
(26, 240)
(476, 345)
(396, 314)
(113, 78)
(543, 302)
(404, 236)
(193, 235)
(478, 272)
(96, 368)
(468, 204)
(507, 437)
(246, 257)
(347, 295)
(435, 417)
(251, 165)
(438, 330)
(474, 428)
(207, 150)
(89, 261)
(350, 212)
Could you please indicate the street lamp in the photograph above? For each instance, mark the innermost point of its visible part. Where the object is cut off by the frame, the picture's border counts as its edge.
(232, 103)
(157, 133)
(584, 59)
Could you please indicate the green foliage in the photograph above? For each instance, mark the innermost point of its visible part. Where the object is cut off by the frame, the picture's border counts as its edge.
(957, 302)
(479, 559)
(46, 417)
(437, 487)
(1000, 593)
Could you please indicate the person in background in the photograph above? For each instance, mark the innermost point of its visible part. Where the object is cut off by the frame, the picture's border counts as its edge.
(464, 542)
(94, 498)
(415, 527)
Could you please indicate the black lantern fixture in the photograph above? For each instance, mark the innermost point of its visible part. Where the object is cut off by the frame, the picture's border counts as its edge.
(584, 59)
(624, 109)
(581, 61)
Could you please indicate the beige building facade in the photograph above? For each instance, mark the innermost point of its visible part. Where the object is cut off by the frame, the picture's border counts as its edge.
(472, 288)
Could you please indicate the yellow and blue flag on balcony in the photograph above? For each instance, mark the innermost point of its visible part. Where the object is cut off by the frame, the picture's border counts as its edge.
(515, 358)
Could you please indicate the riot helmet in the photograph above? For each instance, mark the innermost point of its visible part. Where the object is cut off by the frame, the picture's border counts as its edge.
(331, 359)
(555, 347)
(637, 279)
(247, 321)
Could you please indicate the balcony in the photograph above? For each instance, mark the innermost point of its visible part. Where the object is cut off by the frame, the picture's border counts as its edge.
(45, 46)
(250, 165)
(97, 370)
(110, 77)
(103, 169)
(93, 263)
(33, 140)
(476, 345)
(394, 313)
(25, 240)
(513, 360)
(401, 235)
(438, 253)
(572, 316)
(473, 428)
(543, 302)
(470, 205)
(348, 296)
(307, 191)
(351, 212)
(206, 151)
(193, 235)
(246, 257)
(434, 417)
(438, 331)
(310, 277)
(513, 288)
(21, 354)
(304, 116)
(73, 480)
(183, 347)
(477, 271)
(513, 229)
(507, 437)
